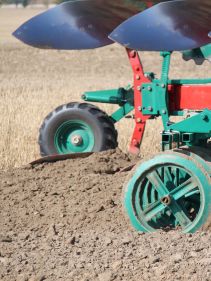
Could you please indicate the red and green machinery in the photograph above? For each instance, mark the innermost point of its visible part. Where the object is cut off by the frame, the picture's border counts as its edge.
(173, 189)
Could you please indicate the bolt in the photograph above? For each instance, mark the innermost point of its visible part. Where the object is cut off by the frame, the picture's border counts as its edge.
(163, 85)
(76, 140)
(138, 120)
(149, 108)
(138, 77)
(132, 54)
(139, 108)
(149, 88)
(163, 111)
(204, 117)
(138, 88)
(146, 75)
(166, 200)
(135, 142)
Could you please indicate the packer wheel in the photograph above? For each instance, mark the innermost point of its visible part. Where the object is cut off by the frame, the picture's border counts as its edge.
(76, 128)
(172, 190)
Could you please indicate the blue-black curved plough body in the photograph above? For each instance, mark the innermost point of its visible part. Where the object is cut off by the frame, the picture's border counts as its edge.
(136, 24)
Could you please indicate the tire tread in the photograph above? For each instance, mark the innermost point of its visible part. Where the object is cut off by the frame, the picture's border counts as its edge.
(109, 131)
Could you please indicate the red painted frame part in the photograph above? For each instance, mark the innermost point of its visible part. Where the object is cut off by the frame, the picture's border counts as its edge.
(191, 97)
(181, 97)
(140, 119)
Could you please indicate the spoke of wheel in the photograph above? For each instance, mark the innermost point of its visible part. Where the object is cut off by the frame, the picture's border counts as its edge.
(177, 177)
(161, 173)
(179, 214)
(179, 174)
(145, 195)
(157, 183)
(167, 176)
(153, 195)
(153, 210)
(184, 188)
(192, 193)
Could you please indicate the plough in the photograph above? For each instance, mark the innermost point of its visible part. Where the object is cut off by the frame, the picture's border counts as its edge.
(173, 189)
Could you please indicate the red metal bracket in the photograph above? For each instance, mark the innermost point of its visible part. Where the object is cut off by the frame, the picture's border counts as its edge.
(140, 119)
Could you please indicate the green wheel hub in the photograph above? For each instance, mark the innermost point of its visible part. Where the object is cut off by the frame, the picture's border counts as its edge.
(74, 136)
(169, 191)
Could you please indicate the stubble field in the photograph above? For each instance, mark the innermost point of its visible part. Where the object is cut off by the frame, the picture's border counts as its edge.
(33, 82)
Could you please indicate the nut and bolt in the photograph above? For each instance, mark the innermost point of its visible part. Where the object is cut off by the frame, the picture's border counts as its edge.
(166, 200)
(205, 117)
(76, 140)
(135, 142)
(138, 120)
(132, 54)
(138, 77)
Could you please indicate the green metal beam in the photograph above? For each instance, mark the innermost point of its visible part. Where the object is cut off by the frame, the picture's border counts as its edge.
(114, 96)
(122, 112)
(199, 123)
(124, 97)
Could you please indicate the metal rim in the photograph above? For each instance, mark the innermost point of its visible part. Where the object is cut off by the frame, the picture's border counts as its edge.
(168, 192)
(74, 136)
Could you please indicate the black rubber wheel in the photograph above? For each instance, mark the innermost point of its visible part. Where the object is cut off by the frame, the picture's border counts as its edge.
(77, 127)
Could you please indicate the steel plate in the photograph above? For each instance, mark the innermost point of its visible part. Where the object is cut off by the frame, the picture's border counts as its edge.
(175, 25)
(82, 24)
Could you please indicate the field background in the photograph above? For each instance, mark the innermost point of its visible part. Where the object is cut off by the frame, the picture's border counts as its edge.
(33, 82)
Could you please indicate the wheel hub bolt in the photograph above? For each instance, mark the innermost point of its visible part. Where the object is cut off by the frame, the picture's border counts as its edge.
(76, 140)
(166, 200)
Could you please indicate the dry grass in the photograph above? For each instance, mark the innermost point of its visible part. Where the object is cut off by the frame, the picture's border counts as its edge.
(33, 82)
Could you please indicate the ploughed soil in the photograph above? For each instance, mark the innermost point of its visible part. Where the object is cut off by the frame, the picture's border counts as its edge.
(64, 221)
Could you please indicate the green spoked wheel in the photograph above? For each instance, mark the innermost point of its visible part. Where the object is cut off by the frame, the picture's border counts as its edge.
(74, 136)
(170, 191)
(77, 128)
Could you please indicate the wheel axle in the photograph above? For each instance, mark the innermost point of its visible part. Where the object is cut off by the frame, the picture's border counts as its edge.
(76, 140)
(166, 200)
